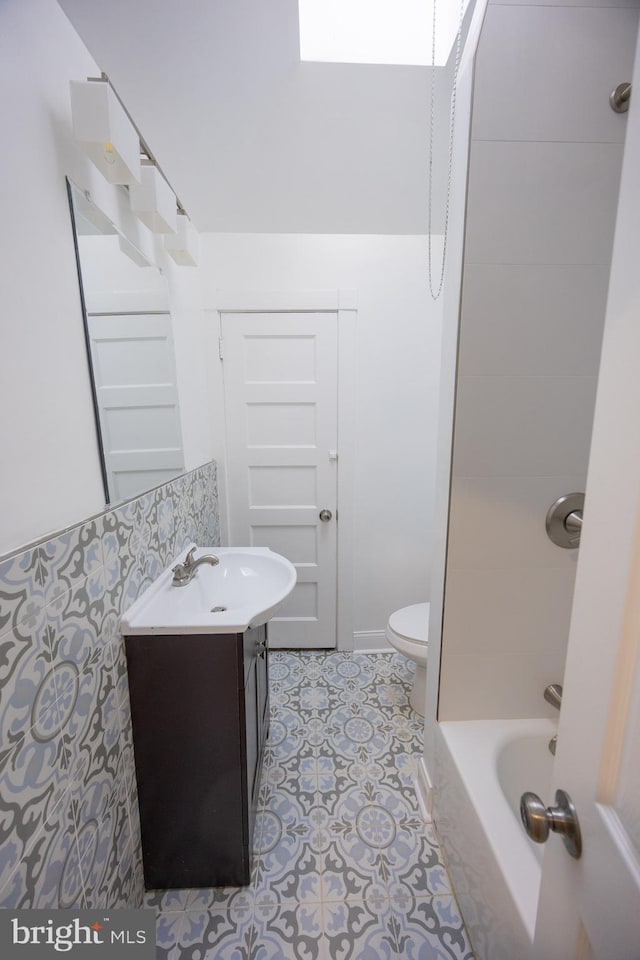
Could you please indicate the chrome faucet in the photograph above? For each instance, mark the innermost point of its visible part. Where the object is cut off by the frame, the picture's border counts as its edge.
(184, 573)
(553, 695)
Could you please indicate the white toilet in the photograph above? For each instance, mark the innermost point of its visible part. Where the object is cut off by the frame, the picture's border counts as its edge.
(408, 631)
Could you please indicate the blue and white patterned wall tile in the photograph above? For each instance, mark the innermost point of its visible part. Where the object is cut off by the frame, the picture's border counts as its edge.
(166, 522)
(93, 732)
(180, 496)
(58, 885)
(212, 517)
(105, 837)
(28, 683)
(22, 594)
(123, 574)
(77, 733)
(33, 784)
(50, 848)
(72, 557)
(76, 626)
(119, 890)
(65, 723)
(179, 493)
(146, 539)
(127, 886)
(42, 573)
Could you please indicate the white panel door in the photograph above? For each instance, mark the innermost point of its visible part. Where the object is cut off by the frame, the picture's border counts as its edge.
(135, 381)
(280, 376)
(590, 908)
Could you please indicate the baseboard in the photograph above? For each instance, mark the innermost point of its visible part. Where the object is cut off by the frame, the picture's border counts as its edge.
(424, 790)
(371, 641)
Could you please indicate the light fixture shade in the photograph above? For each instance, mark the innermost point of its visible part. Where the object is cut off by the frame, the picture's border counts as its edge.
(153, 201)
(107, 135)
(183, 245)
(132, 252)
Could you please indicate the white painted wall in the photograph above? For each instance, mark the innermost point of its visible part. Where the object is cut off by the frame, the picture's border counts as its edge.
(543, 182)
(51, 475)
(395, 388)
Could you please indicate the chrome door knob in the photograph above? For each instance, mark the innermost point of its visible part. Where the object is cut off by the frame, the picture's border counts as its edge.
(325, 515)
(538, 820)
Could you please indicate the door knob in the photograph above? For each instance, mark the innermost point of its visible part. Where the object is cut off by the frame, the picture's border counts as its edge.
(325, 515)
(538, 820)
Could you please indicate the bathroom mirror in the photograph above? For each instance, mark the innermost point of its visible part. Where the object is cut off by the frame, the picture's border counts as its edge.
(129, 341)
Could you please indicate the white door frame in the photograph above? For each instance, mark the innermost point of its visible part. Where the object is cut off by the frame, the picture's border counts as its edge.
(344, 304)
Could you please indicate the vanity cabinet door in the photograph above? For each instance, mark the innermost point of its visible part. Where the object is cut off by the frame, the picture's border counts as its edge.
(199, 709)
(188, 733)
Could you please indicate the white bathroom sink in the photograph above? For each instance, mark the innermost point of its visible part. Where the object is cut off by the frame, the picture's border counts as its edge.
(248, 585)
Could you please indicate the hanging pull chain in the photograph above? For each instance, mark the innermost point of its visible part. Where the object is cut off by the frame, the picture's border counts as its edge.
(452, 117)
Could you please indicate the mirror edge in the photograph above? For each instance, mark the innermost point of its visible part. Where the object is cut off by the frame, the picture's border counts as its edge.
(85, 324)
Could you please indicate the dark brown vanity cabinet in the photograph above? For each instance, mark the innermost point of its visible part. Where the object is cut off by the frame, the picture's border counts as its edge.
(200, 713)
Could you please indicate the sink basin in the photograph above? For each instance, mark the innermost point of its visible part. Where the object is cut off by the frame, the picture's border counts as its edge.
(247, 586)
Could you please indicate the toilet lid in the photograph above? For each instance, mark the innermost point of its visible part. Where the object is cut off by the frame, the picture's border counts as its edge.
(412, 622)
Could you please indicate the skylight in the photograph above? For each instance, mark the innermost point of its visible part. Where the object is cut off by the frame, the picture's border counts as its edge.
(377, 31)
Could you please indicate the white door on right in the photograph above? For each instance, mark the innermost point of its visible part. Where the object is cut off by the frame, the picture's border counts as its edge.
(280, 381)
(590, 907)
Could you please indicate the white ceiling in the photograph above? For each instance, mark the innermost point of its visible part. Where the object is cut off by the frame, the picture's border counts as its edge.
(251, 139)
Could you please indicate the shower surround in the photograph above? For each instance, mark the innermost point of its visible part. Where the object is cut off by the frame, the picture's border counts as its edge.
(541, 201)
(544, 174)
(69, 829)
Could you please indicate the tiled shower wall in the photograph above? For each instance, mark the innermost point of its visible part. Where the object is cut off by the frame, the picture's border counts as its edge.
(544, 168)
(69, 829)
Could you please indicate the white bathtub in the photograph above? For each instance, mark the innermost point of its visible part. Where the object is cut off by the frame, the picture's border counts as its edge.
(483, 767)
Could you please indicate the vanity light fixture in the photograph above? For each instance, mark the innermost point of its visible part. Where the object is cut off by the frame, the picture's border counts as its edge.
(95, 221)
(153, 201)
(107, 135)
(182, 246)
(132, 252)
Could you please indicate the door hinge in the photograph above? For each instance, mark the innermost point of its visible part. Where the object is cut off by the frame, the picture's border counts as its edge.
(221, 348)
(333, 454)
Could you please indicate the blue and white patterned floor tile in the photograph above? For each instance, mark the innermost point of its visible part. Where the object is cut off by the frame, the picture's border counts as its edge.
(345, 867)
